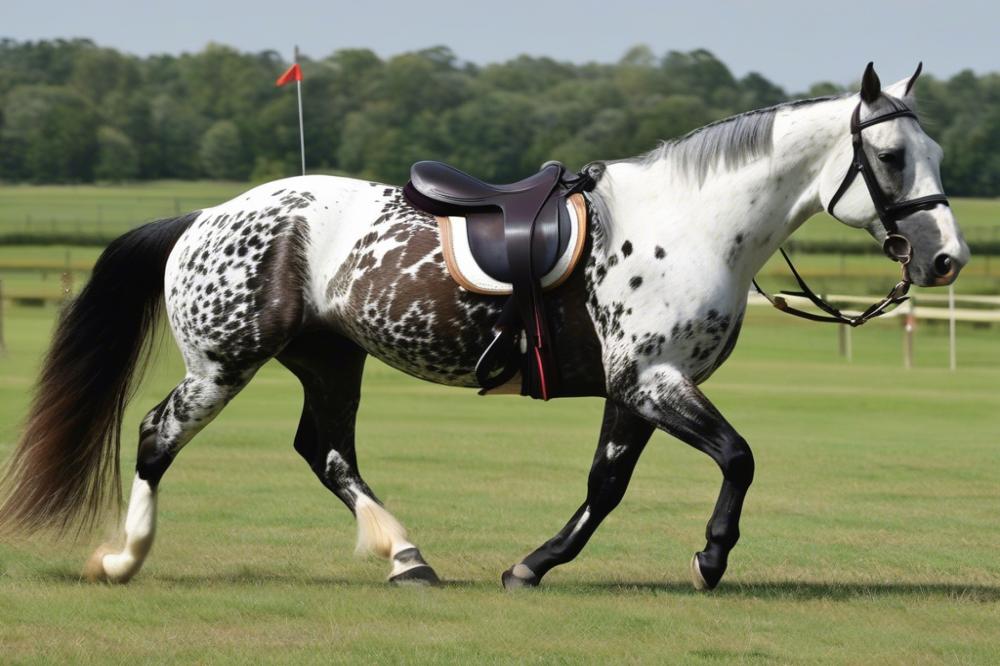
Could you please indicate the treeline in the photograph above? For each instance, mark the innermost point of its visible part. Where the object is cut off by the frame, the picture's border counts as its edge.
(71, 111)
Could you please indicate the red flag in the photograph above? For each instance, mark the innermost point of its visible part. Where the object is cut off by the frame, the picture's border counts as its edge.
(294, 73)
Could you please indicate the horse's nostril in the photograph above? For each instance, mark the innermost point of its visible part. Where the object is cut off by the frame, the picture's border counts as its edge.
(943, 264)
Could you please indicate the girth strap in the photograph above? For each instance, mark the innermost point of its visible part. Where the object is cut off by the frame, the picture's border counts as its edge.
(522, 331)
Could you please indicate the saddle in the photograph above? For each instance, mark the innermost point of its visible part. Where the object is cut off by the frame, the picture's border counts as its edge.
(511, 239)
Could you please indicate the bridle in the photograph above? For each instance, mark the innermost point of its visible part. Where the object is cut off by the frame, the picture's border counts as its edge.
(896, 246)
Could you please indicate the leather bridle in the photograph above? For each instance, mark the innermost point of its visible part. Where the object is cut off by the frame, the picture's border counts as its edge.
(896, 246)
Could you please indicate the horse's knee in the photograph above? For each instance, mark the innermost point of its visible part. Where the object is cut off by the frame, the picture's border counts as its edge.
(736, 460)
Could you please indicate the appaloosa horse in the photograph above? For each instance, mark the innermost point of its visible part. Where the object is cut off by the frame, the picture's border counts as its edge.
(319, 272)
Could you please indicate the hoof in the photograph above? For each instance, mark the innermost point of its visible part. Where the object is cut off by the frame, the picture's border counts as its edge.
(519, 577)
(421, 575)
(93, 570)
(409, 568)
(704, 576)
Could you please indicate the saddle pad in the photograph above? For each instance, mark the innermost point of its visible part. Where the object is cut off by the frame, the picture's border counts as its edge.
(467, 273)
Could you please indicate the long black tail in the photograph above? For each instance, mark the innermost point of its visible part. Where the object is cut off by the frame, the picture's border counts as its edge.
(64, 471)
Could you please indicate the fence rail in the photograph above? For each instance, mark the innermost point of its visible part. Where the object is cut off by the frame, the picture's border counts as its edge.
(909, 312)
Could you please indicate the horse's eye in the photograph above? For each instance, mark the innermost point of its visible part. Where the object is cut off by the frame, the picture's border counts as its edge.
(892, 158)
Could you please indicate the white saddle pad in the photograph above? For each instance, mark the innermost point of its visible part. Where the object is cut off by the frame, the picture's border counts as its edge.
(467, 273)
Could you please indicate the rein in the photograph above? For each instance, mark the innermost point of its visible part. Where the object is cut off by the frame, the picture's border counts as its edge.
(896, 246)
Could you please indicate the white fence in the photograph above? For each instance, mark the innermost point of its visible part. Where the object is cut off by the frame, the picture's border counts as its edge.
(912, 310)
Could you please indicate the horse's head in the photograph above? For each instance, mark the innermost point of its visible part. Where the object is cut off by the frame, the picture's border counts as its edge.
(898, 197)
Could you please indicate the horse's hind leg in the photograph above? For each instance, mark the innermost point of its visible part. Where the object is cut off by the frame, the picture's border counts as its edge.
(623, 437)
(233, 287)
(330, 369)
(188, 408)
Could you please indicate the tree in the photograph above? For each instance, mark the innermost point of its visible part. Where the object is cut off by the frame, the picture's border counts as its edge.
(117, 159)
(668, 118)
(49, 135)
(175, 130)
(758, 92)
(71, 111)
(221, 152)
(489, 134)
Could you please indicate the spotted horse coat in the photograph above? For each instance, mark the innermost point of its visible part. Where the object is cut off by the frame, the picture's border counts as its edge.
(320, 272)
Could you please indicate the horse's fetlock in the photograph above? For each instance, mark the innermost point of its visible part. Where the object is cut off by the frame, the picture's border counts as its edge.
(152, 460)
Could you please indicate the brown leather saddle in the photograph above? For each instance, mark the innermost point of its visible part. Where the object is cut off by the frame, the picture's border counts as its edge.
(516, 234)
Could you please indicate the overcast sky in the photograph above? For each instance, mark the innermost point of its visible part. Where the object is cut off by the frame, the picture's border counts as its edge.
(793, 44)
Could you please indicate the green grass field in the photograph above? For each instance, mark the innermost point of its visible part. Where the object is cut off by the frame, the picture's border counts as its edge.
(104, 209)
(870, 536)
(111, 209)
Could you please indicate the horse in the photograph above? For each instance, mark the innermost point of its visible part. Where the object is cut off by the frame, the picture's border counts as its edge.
(320, 271)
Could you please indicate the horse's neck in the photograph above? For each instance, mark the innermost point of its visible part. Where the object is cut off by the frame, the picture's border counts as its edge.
(736, 219)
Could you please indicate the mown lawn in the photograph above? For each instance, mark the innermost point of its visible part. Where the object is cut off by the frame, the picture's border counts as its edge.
(107, 210)
(110, 209)
(870, 536)
(104, 209)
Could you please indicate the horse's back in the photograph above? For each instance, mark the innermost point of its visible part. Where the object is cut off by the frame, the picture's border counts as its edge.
(348, 255)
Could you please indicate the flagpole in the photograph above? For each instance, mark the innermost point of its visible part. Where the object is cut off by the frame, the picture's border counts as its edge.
(302, 135)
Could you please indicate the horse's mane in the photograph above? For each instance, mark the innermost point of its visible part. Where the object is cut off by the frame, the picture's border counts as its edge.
(731, 142)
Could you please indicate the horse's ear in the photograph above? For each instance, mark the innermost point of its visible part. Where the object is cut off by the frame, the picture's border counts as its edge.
(913, 79)
(871, 87)
(903, 89)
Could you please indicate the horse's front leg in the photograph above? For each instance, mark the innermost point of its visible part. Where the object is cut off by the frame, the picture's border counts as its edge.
(674, 404)
(623, 437)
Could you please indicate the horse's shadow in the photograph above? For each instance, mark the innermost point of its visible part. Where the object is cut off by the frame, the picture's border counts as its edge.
(767, 589)
(806, 590)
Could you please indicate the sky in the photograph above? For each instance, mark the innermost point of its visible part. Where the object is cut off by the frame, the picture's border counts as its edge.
(794, 44)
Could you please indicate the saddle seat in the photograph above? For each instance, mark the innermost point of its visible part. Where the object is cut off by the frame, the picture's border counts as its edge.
(445, 183)
(513, 239)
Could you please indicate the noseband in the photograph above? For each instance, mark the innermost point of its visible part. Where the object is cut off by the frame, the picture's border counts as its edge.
(896, 246)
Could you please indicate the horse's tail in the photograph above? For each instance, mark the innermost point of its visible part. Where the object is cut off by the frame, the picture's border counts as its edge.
(64, 470)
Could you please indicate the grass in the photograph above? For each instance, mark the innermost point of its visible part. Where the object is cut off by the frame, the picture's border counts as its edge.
(111, 209)
(104, 209)
(870, 535)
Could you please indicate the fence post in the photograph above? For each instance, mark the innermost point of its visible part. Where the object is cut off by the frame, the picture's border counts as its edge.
(952, 361)
(3, 342)
(909, 324)
(844, 338)
(67, 280)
